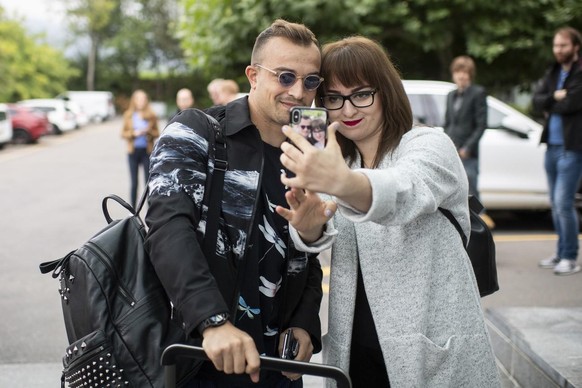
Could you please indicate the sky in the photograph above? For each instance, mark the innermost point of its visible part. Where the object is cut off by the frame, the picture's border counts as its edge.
(39, 16)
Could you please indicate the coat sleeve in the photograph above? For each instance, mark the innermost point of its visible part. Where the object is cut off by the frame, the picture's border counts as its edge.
(573, 101)
(479, 120)
(543, 97)
(178, 170)
(425, 172)
(127, 129)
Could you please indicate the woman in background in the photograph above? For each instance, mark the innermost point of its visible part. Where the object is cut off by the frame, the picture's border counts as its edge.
(140, 129)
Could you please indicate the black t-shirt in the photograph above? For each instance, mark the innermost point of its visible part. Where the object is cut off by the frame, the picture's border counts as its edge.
(257, 312)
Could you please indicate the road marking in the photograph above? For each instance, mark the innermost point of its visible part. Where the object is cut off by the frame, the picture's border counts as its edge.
(526, 237)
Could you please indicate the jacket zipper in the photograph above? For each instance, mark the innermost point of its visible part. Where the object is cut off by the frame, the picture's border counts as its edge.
(103, 258)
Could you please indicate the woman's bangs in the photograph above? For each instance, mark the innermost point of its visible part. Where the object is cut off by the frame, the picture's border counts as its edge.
(344, 69)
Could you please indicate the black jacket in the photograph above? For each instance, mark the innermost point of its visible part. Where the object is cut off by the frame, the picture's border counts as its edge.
(570, 107)
(180, 164)
(466, 126)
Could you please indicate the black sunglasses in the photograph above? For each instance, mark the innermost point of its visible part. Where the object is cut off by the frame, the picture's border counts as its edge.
(288, 78)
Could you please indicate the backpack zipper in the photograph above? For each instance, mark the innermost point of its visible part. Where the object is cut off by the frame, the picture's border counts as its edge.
(103, 258)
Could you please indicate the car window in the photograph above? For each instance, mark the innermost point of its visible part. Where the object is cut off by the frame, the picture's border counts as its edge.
(428, 109)
(45, 109)
(494, 117)
(2, 115)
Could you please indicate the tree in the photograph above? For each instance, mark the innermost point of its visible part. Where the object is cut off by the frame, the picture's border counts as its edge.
(98, 20)
(511, 41)
(29, 69)
(146, 41)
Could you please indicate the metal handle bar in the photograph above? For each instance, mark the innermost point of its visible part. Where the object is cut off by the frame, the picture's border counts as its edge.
(175, 351)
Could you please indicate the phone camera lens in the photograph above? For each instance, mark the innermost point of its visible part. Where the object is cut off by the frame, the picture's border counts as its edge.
(296, 116)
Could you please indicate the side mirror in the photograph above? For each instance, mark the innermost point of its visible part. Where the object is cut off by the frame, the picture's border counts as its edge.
(515, 126)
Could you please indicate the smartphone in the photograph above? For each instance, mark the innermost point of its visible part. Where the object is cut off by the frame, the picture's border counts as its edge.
(311, 123)
(290, 346)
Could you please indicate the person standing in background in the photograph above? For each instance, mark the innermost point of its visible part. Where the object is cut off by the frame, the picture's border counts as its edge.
(184, 99)
(559, 96)
(140, 129)
(227, 91)
(213, 89)
(466, 120)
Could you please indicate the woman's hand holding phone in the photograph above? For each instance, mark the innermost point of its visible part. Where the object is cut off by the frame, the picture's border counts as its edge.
(318, 170)
(324, 171)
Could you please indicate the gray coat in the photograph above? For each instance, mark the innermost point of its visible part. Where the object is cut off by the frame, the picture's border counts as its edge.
(417, 275)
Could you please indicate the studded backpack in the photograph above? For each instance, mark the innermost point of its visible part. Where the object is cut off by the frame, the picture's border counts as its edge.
(117, 315)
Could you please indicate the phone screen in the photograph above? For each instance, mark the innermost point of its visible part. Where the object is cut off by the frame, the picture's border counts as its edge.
(311, 123)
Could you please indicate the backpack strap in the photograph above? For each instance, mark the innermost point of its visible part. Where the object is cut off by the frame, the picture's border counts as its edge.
(447, 213)
(216, 189)
(474, 206)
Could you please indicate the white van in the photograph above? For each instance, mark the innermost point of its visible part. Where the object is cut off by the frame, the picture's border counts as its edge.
(5, 126)
(98, 105)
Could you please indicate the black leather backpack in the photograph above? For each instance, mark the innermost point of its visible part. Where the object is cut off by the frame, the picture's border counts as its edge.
(117, 315)
(481, 247)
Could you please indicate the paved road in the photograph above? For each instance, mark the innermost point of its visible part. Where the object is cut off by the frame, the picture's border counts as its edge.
(50, 202)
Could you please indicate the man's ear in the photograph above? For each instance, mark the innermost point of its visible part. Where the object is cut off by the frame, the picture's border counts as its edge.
(251, 73)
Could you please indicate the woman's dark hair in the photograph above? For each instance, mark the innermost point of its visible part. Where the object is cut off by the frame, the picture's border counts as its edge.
(357, 61)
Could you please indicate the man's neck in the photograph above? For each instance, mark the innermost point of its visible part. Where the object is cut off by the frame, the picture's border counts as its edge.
(271, 136)
(567, 66)
(269, 132)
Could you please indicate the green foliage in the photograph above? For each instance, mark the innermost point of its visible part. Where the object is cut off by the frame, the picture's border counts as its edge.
(29, 69)
(510, 40)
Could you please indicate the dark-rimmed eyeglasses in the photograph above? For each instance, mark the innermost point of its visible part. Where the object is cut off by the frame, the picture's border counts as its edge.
(305, 126)
(288, 78)
(361, 99)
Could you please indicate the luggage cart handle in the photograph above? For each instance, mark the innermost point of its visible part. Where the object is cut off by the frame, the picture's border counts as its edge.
(175, 351)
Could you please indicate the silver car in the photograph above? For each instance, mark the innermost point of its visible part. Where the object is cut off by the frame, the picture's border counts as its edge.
(512, 174)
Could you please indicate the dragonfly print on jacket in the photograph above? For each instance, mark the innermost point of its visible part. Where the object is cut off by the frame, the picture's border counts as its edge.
(246, 309)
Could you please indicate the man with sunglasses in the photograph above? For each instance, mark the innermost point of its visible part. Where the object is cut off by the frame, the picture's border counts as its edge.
(304, 126)
(281, 286)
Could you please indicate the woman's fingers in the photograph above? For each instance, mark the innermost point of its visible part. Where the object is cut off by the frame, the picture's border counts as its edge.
(331, 134)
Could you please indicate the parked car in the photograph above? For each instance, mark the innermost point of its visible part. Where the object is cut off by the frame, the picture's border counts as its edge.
(5, 126)
(60, 116)
(98, 105)
(81, 117)
(28, 125)
(512, 174)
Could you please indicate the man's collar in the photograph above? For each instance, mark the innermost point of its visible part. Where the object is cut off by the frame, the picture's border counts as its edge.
(237, 116)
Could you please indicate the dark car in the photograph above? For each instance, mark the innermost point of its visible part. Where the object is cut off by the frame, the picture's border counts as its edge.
(28, 124)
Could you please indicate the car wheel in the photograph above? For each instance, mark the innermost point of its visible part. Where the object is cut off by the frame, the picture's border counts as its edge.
(21, 136)
(57, 130)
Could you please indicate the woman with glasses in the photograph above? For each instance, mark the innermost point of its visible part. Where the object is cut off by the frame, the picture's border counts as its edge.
(404, 308)
(318, 133)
